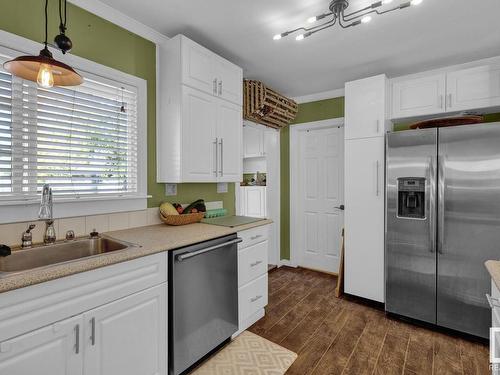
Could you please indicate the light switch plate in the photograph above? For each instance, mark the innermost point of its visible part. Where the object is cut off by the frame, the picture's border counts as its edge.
(170, 190)
(222, 187)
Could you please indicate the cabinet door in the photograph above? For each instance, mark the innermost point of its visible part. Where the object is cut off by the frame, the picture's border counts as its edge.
(474, 88)
(364, 218)
(229, 133)
(255, 201)
(253, 141)
(56, 350)
(365, 107)
(198, 65)
(229, 81)
(418, 97)
(199, 147)
(128, 336)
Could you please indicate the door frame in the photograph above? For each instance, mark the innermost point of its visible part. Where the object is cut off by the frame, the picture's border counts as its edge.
(294, 178)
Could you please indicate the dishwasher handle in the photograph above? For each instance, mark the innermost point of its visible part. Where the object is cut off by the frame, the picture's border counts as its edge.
(188, 255)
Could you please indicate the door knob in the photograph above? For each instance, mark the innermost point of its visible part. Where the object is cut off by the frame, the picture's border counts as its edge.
(341, 207)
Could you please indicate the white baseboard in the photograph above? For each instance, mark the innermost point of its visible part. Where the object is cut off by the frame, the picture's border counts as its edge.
(288, 263)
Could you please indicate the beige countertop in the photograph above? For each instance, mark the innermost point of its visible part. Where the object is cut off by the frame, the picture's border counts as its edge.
(151, 239)
(493, 267)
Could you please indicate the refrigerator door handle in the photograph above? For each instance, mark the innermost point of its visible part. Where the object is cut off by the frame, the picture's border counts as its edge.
(441, 192)
(432, 203)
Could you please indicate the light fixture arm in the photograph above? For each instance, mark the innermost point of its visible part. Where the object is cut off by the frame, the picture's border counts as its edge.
(337, 11)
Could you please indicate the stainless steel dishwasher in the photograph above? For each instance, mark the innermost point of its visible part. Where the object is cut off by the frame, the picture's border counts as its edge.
(203, 300)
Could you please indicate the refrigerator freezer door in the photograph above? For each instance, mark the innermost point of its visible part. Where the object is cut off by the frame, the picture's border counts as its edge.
(411, 224)
(468, 224)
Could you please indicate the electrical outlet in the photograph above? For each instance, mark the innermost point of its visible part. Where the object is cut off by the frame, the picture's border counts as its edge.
(170, 190)
(222, 187)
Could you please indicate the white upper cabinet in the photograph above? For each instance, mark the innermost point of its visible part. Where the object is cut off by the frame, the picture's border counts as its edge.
(474, 88)
(365, 102)
(198, 65)
(419, 96)
(229, 137)
(253, 141)
(199, 133)
(199, 125)
(204, 70)
(229, 80)
(451, 91)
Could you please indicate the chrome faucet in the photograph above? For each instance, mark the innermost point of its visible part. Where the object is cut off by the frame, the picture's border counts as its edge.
(46, 213)
(27, 239)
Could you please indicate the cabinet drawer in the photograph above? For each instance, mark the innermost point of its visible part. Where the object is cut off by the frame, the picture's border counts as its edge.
(253, 236)
(252, 297)
(252, 262)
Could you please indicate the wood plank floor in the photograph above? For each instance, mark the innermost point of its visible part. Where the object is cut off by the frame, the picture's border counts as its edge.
(343, 336)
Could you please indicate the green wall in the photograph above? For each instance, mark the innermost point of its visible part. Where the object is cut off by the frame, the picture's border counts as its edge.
(308, 112)
(101, 41)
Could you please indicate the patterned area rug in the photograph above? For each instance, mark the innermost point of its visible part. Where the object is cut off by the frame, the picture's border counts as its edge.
(248, 354)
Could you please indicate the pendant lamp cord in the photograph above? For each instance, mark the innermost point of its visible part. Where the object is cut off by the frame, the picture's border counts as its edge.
(46, 22)
(62, 24)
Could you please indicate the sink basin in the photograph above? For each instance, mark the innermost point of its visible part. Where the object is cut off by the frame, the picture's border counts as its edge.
(42, 256)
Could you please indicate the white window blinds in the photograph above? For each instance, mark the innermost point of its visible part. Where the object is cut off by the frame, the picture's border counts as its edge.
(82, 140)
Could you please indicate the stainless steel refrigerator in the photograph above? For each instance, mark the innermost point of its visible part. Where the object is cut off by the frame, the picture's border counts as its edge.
(442, 224)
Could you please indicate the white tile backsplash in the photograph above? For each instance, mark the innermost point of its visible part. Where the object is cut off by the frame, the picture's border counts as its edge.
(154, 216)
(76, 224)
(119, 221)
(138, 218)
(98, 222)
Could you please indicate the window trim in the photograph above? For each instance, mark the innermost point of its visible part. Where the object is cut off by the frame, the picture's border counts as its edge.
(22, 210)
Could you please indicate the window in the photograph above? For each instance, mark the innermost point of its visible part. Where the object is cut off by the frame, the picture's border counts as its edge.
(83, 140)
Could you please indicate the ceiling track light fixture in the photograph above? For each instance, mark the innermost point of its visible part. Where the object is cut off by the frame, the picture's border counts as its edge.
(337, 15)
(44, 69)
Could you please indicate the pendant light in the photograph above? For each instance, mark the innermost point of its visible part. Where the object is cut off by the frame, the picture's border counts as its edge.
(44, 69)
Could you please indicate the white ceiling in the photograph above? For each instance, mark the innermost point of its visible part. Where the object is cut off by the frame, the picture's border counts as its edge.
(434, 34)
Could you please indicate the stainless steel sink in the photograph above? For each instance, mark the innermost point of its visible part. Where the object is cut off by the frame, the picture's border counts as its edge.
(42, 256)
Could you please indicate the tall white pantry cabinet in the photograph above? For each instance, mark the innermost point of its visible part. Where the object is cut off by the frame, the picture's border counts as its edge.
(200, 120)
(365, 127)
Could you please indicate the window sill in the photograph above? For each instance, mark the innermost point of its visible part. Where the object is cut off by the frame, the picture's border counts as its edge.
(26, 210)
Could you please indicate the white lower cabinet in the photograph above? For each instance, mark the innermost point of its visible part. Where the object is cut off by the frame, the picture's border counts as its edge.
(252, 276)
(54, 350)
(128, 337)
(103, 336)
(364, 218)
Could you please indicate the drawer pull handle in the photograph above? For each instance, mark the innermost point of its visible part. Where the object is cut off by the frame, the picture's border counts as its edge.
(77, 339)
(493, 302)
(256, 237)
(256, 298)
(92, 331)
(256, 263)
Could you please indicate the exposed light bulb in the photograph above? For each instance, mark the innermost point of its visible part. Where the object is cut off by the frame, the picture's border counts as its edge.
(366, 19)
(277, 37)
(416, 2)
(312, 19)
(299, 37)
(45, 77)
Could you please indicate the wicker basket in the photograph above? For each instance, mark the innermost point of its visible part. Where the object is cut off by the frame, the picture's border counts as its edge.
(182, 219)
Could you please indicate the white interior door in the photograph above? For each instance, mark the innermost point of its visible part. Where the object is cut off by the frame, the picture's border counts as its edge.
(321, 181)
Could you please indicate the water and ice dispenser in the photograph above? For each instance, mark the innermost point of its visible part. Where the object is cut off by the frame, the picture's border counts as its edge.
(411, 197)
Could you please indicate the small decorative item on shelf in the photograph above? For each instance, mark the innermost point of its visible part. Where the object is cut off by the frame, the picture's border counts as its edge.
(463, 119)
(175, 214)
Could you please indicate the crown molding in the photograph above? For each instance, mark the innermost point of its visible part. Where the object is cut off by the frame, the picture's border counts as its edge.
(120, 19)
(319, 96)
